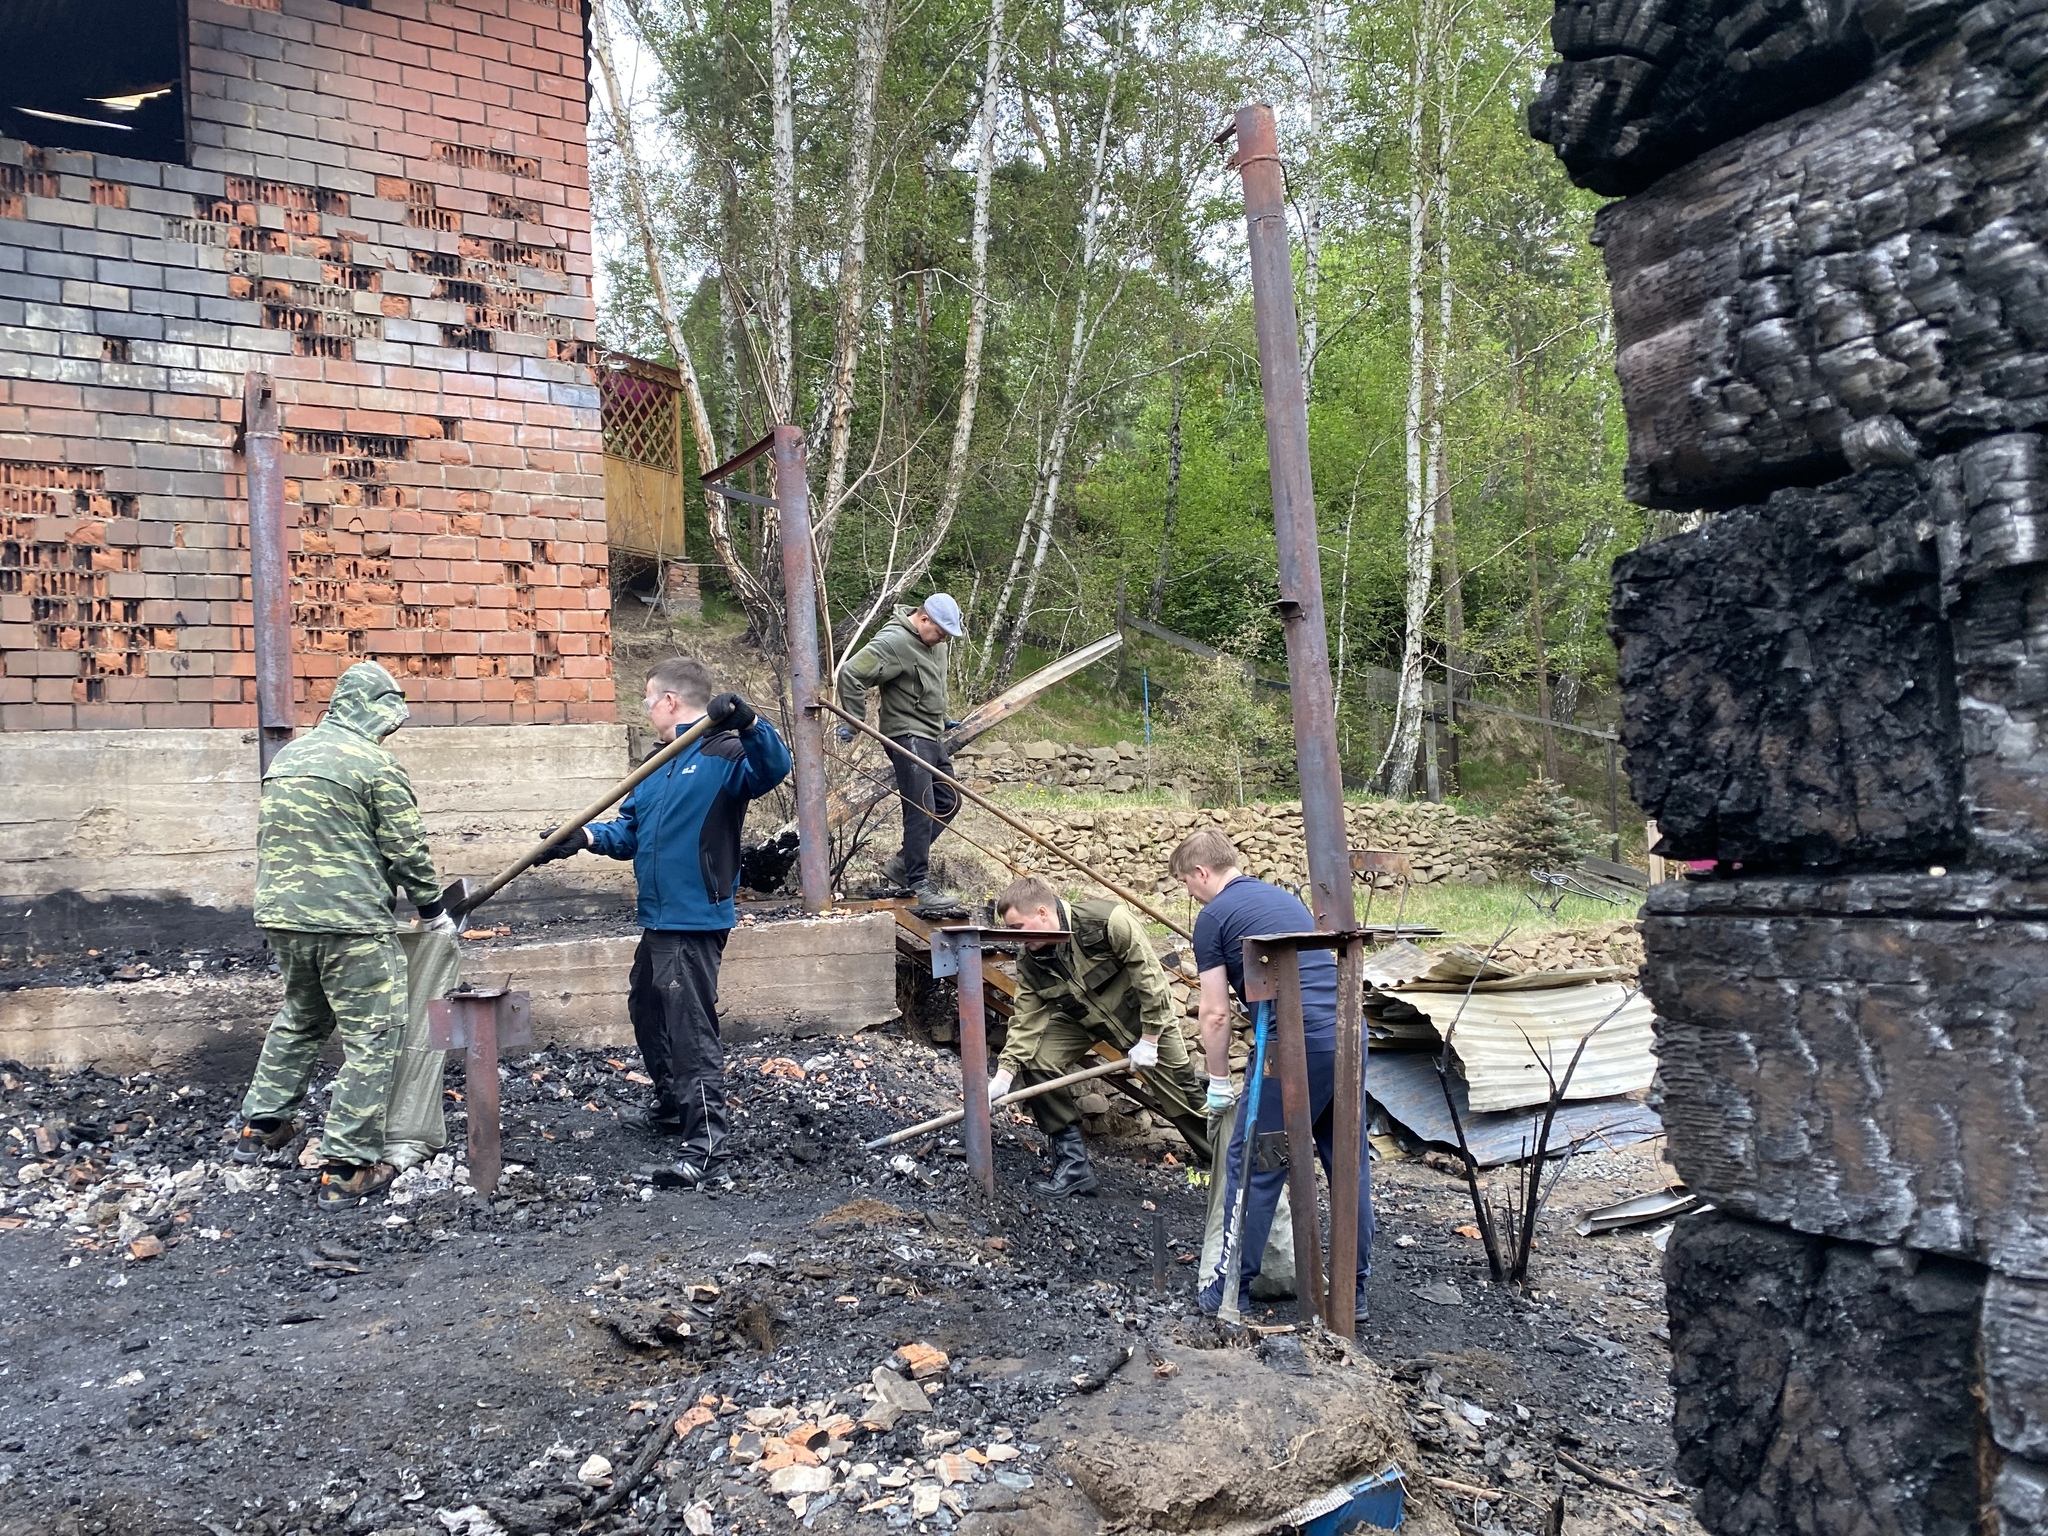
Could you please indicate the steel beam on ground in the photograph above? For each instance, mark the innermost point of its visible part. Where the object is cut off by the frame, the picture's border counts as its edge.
(800, 623)
(270, 575)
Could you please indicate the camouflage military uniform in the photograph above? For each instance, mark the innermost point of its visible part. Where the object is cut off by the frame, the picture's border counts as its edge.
(338, 828)
(1104, 984)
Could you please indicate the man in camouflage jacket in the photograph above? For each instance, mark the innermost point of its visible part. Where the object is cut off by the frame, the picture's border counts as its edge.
(338, 828)
(1104, 983)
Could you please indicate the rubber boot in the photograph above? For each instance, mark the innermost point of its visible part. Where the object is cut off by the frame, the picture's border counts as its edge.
(1072, 1173)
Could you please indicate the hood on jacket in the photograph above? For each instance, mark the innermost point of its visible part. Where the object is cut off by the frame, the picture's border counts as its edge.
(367, 701)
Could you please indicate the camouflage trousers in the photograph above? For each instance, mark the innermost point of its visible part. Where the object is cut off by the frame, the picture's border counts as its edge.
(1174, 1084)
(350, 982)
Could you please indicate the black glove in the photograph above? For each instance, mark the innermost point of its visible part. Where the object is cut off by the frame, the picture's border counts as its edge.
(565, 848)
(846, 733)
(730, 712)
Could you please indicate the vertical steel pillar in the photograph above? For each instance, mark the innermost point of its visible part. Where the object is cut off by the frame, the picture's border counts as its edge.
(1294, 520)
(270, 574)
(1291, 1050)
(977, 1133)
(479, 1024)
(1346, 1148)
(800, 624)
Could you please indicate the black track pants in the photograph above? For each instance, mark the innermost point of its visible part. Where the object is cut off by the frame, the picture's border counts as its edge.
(673, 1003)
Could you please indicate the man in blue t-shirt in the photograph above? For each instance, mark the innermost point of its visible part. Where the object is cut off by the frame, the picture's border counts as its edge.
(1236, 907)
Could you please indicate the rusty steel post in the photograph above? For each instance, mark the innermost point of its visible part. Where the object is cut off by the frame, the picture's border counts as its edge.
(480, 1082)
(270, 574)
(800, 624)
(1291, 1049)
(1346, 1112)
(977, 1133)
(1294, 519)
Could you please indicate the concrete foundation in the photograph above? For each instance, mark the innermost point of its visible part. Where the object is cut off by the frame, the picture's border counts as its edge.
(826, 975)
(119, 839)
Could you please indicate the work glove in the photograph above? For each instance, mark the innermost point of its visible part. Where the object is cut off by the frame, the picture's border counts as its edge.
(440, 922)
(846, 733)
(1144, 1054)
(566, 848)
(1220, 1096)
(954, 725)
(999, 1085)
(730, 712)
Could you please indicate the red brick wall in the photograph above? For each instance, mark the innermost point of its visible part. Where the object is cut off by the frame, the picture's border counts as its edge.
(387, 207)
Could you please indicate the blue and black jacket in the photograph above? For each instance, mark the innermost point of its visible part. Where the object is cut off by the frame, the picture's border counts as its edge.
(681, 828)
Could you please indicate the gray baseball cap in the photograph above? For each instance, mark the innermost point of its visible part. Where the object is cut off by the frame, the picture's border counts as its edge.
(944, 612)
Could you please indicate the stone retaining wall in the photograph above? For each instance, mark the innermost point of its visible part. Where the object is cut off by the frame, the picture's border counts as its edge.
(1113, 770)
(1132, 845)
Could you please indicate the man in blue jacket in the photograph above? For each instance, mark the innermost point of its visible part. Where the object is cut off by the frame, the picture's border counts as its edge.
(681, 829)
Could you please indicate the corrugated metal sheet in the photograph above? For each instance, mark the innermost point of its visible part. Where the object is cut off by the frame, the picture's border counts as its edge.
(1503, 1038)
(1404, 1084)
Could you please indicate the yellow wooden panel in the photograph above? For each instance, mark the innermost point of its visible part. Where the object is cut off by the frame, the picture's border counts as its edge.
(643, 509)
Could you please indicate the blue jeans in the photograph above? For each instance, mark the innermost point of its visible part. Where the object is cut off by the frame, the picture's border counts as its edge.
(1267, 1183)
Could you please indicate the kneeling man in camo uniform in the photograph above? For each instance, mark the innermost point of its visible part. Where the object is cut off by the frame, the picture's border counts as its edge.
(1104, 983)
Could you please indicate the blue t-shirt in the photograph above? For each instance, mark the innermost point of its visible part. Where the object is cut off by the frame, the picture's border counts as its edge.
(1246, 908)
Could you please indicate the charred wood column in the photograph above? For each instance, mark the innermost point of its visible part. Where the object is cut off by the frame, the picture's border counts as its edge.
(1830, 272)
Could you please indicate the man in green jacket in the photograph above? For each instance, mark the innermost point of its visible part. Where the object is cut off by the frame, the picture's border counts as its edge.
(906, 664)
(338, 828)
(1104, 983)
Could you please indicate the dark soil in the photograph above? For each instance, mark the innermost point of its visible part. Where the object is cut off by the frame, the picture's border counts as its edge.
(449, 1363)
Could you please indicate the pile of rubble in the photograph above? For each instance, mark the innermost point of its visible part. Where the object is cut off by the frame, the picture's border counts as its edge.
(1131, 846)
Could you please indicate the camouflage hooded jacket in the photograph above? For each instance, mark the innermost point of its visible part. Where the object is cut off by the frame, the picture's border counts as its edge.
(339, 827)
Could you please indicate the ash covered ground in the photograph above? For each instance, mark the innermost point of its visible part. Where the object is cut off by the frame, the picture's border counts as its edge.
(188, 1346)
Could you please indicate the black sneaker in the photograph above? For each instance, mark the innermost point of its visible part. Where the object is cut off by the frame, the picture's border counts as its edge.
(652, 1121)
(261, 1137)
(690, 1174)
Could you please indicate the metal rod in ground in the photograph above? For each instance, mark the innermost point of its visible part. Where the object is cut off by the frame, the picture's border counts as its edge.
(1341, 1310)
(1018, 1096)
(1291, 1044)
(480, 1087)
(800, 624)
(1294, 519)
(978, 1137)
(270, 577)
(1130, 898)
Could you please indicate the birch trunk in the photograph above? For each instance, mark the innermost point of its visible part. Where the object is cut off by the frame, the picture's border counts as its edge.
(1157, 596)
(1053, 466)
(782, 184)
(753, 595)
(1397, 765)
(871, 47)
(977, 332)
(1525, 391)
(1456, 680)
(1051, 463)
(1312, 195)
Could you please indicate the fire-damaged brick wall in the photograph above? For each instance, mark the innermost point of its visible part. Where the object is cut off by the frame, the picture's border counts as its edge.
(1830, 275)
(385, 206)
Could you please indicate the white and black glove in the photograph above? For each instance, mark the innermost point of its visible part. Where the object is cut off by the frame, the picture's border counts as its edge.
(999, 1085)
(1145, 1054)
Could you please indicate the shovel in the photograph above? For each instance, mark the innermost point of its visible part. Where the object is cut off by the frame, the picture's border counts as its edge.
(461, 897)
(1248, 1117)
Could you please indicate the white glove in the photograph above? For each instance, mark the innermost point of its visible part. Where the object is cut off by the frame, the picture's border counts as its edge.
(999, 1085)
(1145, 1053)
(1220, 1096)
(441, 923)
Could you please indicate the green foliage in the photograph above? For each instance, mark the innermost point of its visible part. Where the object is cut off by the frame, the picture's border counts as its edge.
(1545, 828)
(1533, 427)
(1227, 735)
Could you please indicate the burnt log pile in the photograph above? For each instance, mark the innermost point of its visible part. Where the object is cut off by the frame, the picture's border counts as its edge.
(1830, 276)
